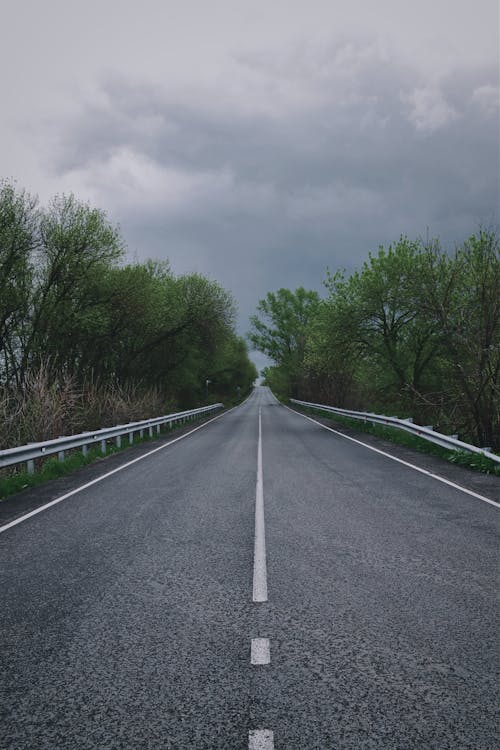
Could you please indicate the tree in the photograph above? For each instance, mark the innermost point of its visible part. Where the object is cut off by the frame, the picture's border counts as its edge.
(77, 245)
(462, 296)
(377, 314)
(75, 321)
(331, 360)
(232, 371)
(281, 331)
(18, 241)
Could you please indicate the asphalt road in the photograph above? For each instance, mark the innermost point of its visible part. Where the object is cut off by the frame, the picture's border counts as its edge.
(128, 610)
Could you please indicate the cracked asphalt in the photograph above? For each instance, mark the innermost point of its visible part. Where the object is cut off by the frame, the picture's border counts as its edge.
(127, 615)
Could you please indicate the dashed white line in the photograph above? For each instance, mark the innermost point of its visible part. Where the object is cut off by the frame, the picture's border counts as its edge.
(260, 739)
(259, 559)
(260, 652)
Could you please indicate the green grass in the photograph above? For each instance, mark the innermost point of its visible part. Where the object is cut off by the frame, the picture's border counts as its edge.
(400, 437)
(52, 468)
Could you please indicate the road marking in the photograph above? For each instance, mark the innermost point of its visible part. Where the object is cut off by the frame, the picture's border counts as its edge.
(114, 471)
(272, 394)
(260, 652)
(259, 555)
(260, 739)
(400, 460)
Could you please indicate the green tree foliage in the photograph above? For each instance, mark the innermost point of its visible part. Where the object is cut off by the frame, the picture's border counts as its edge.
(376, 316)
(232, 370)
(415, 331)
(281, 331)
(77, 246)
(18, 241)
(461, 295)
(72, 307)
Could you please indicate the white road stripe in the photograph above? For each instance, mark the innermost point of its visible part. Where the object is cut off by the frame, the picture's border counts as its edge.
(260, 739)
(259, 559)
(260, 652)
(400, 461)
(114, 471)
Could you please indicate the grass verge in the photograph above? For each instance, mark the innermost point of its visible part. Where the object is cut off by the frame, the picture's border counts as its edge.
(400, 437)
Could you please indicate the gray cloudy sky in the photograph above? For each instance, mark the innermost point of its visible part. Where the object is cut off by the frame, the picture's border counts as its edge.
(257, 142)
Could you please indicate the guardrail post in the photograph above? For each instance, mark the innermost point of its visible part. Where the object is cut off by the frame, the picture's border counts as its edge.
(60, 455)
(131, 437)
(157, 429)
(103, 446)
(118, 441)
(85, 449)
(30, 466)
(150, 431)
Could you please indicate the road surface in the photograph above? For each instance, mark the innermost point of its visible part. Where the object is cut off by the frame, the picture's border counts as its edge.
(260, 583)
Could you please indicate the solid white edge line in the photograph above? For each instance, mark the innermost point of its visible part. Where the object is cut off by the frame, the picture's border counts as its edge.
(399, 460)
(260, 739)
(114, 471)
(275, 398)
(259, 559)
(260, 651)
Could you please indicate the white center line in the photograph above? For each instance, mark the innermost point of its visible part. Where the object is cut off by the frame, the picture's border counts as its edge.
(260, 652)
(259, 559)
(260, 739)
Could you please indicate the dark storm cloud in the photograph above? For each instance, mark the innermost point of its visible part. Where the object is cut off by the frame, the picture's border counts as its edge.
(311, 160)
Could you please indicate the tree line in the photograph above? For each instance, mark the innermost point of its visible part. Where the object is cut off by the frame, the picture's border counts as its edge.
(77, 319)
(414, 332)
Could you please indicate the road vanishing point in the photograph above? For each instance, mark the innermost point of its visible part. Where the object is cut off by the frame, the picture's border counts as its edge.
(258, 582)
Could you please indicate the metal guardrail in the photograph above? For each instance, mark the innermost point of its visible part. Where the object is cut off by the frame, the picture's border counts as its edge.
(427, 433)
(29, 453)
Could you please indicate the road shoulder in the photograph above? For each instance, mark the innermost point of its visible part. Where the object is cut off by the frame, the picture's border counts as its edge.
(31, 498)
(484, 484)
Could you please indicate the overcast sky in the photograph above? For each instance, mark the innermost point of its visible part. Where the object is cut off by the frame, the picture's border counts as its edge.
(257, 142)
